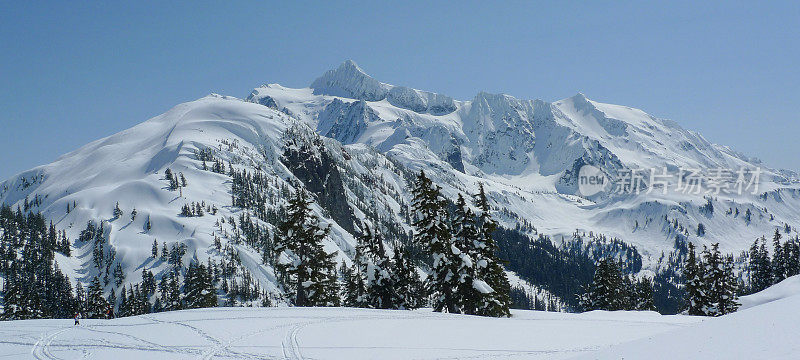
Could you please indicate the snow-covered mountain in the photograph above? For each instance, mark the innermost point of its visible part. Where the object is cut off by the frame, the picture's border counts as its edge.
(355, 143)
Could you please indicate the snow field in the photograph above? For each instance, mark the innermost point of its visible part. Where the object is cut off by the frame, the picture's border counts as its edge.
(331, 333)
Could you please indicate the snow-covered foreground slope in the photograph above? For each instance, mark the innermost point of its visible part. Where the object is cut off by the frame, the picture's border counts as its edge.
(784, 289)
(767, 331)
(331, 333)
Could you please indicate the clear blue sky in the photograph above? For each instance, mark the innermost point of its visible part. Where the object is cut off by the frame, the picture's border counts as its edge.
(74, 72)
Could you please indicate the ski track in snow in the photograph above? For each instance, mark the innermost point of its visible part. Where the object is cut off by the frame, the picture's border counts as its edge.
(333, 333)
(41, 349)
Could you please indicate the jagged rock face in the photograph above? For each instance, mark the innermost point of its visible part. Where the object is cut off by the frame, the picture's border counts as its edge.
(320, 175)
(421, 101)
(500, 129)
(346, 121)
(268, 102)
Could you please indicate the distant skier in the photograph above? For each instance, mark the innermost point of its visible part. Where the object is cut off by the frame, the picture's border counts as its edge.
(77, 318)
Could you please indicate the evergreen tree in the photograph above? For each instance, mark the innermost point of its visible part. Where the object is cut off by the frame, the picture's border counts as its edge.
(376, 267)
(606, 291)
(408, 286)
(96, 303)
(119, 275)
(489, 266)
(305, 270)
(123, 309)
(154, 249)
(164, 252)
(172, 293)
(80, 298)
(470, 289)
(117, 211)
(148, 283)
(792, 255)
(720, 282)
(697, 300)
(779, 259)
(432, 233)
(198, 288)
(644, 295)
(354, 288)
(727, 300)
(112, 298)
(760, 266)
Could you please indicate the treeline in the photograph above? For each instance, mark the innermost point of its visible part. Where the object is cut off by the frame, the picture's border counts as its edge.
(542, 263)
(563, 270)
(763, 270)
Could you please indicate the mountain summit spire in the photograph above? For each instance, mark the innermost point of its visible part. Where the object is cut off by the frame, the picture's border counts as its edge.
(349, 80)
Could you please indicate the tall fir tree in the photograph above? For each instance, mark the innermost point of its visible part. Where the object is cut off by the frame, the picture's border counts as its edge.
(720, 281)
(727, 298)
(198, 288)
(376, 267)
(697, 299)
(470, 289)
(408, 286)
(779, 258)
(606, 291)
(305, 270)
(354, 288)
(489, 266)
(643, 295)
(96, 303)
(432, 233)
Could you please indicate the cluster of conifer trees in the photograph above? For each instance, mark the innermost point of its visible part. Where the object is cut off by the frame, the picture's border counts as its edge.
(377, 281)
(175, 181)
(33, 285)
(197, 209)
(466, 275)
(610, 289)
(764, 271)
(711, 287)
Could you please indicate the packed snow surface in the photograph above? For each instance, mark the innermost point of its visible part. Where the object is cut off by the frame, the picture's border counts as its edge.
(766, 331)
(331, 333)
(784, 289)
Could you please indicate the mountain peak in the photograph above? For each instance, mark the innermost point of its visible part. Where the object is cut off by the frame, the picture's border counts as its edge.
(350, 64)
(349, 80)
(579, 97)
